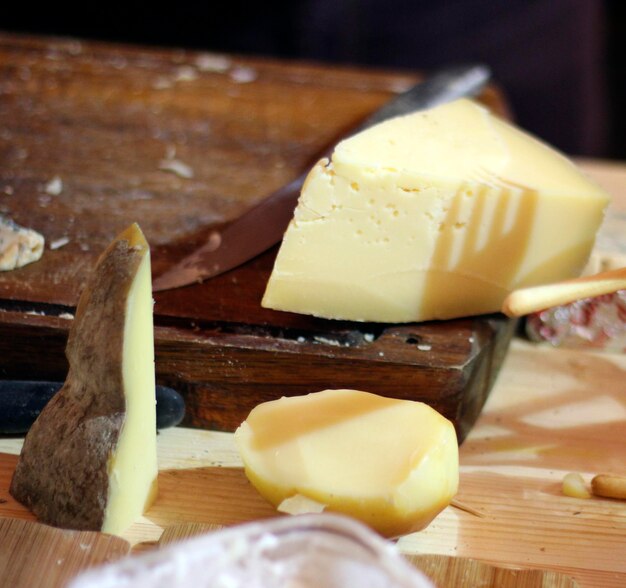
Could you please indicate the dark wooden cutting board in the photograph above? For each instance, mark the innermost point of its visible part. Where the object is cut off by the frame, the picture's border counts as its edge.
(94, 137)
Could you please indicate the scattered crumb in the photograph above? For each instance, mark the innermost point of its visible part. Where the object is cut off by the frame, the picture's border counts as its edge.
(74, 47)
(8, 190)
(299, 504)
(424, 347)
(55, 186)
(58, 243)
(66, 315)
(118, 62)
(243, 75)
(177, 167)
(162, 83)
(326, 341)
(369, 337)
(53, 54)
(186, 73)
(215, 63)
(381, 354)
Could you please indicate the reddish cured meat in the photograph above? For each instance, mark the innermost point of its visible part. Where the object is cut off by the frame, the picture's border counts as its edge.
(596, 323)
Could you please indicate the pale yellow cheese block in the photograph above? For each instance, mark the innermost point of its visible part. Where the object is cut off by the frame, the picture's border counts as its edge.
(433, 215)
(391, 463)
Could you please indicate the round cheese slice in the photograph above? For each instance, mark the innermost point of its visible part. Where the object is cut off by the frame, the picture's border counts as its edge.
(391, 463)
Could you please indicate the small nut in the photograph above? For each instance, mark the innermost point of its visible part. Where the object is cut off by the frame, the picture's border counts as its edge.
(609, 486)
(574, 486)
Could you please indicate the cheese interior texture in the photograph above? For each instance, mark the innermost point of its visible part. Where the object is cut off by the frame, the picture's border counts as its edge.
(133, 467)
(391, 463)
(433, 215)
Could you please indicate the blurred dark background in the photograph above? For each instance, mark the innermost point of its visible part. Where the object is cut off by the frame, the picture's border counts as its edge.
(560, 62)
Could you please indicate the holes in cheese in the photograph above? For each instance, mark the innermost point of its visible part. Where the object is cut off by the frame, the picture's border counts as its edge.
(391, 463)
(89, 461)
(454, 209)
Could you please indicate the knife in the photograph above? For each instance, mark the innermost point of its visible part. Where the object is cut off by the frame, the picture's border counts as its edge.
(22, 401)
(263, 225)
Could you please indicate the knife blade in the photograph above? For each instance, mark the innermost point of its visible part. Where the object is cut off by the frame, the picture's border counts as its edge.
(263, 225)
(22, 401)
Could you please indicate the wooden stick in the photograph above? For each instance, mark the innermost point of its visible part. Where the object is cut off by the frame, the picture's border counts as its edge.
(468, 509)
(527, 300)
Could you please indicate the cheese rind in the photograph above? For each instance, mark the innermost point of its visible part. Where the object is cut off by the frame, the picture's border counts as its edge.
(391, 463)
(433, 215)
(89, 461)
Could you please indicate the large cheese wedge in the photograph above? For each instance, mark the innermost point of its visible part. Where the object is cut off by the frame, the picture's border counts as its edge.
(89, 461)
(391, 463)
(433, 215)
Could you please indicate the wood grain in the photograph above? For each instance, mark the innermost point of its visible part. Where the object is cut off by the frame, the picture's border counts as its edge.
(37, 556)
(182, 532)
(451, 572)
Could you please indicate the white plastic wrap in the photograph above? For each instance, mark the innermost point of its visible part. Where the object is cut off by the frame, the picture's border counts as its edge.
(303, 551)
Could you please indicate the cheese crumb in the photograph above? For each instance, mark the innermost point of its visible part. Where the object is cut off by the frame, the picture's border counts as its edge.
(162, 83)
(298, 504)
(177, 167)
(55, 186)
(214, 63)
(58, 243)
(243, 75)
(186, 73)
